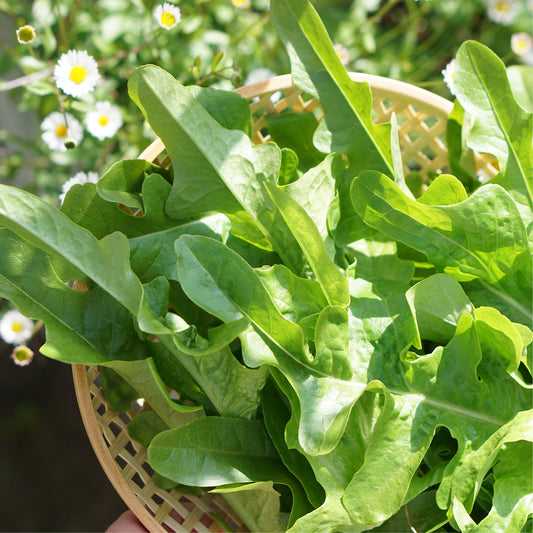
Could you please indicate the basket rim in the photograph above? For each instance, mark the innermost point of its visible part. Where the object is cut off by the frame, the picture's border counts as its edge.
(380, 86)
(101, 450)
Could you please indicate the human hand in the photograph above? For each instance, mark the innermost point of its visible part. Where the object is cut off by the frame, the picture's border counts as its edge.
(126, 523)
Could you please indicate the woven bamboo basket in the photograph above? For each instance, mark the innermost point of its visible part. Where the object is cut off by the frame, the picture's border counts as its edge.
(422, 118)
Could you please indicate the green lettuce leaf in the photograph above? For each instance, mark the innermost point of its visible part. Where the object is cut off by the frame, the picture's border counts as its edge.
(522, 85)
(510, 451)
(227, 287)
(105, 262)
(215, 169)
(347, 125)
(258, 505)
(143, 377)
(151, 234)
(502, 127)
(81, 327)
(332, 281)
(122, 183)
(482, 238)
(295, 131)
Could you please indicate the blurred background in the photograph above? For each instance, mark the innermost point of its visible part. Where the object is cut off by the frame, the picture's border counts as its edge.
(50, 479)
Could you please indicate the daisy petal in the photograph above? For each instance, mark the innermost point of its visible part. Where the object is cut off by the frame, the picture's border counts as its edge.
(76, 73)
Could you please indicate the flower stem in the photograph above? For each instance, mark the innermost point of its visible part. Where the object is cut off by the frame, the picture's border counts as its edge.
(23, 80)
(62, 29)
(376, 17)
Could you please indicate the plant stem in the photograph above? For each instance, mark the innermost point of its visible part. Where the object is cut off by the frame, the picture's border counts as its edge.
(248, 29)
(381, 13)
(23, 80)
(39, 324)
(62, 29)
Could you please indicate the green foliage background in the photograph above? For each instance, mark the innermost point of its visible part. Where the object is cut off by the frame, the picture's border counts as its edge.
(402, 39)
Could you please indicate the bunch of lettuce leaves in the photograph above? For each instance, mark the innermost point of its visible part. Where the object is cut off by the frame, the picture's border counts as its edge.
(349, 355)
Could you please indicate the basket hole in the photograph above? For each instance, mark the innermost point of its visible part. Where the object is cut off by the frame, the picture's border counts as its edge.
(413, 135)
(431, 121)
(148, 469)
(130, 449)
(413, 165)
(173, 516)
(115, 428)
(206, 520)
(138, 480)
(101, 409)
(387, 103)
(122, 463)
(429, 152)
(157, 499)
(125, 418)
(91, 372)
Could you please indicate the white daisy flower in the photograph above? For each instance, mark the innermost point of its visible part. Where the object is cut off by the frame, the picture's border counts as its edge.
(76, 73)
(262, 74)
(25, 34)
(449, 74)
(22, 355)
(241, 3)
(78, 179)
(503, 11)
(15, 328)
(104, 121)
(60, 128)
(342, 53)
(167, 15)
(521, 43)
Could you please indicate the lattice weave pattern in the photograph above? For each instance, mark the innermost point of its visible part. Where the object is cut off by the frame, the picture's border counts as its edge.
(422, 137)
(421, 130)
(169, 509)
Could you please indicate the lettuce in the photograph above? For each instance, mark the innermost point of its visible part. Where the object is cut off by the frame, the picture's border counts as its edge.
(347, 353)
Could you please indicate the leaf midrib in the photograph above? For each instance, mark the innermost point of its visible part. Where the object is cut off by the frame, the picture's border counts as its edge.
(450, 407)
(215, 451)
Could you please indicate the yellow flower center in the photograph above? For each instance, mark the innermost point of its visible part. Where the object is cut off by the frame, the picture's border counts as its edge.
(26, 34)
(78, 74)
(16, 327)
(168, 19)
(22, 354)
(502, 6)
(61, 130)
(103, 120)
